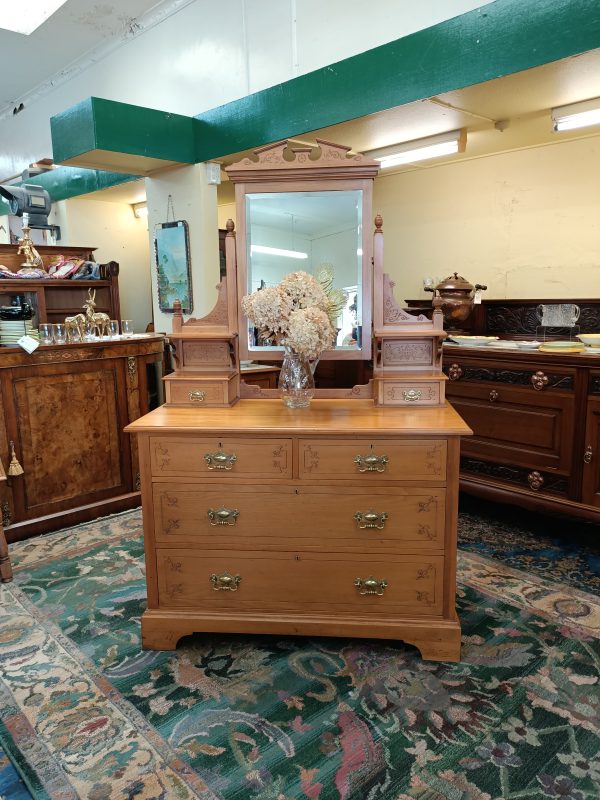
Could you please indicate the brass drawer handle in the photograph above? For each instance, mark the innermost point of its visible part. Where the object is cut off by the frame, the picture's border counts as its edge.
(196, 396)
(539, 380)
(535, 480)
(225, 582)
(412, 395)
(220, 460)
(223, 516)
(371, 463)
(371, 519)
(588, 455)
(494, 396)
(455, 372)
(370, 586)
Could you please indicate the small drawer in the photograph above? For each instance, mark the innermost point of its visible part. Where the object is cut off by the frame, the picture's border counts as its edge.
(220, 458)
(373, 460)
(203, 393)
(284, 517)
(300, 581)
(415, 393)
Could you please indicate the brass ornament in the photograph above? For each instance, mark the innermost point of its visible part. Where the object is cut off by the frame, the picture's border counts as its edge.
(371, 519)
(412, 395)
(539, 381)
(223, 516)
(370, 586)
(371, 463)
(225, 582)
(197, 396)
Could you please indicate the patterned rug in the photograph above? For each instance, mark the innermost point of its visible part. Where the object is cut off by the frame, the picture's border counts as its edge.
(85, 713)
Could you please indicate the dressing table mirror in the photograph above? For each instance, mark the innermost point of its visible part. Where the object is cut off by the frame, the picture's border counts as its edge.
(309, 208)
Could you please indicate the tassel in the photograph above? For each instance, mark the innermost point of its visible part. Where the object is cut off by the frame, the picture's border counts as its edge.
(14, 468)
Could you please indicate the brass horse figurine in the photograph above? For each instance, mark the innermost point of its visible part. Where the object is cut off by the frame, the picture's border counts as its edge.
(75, 323)
(98, 321)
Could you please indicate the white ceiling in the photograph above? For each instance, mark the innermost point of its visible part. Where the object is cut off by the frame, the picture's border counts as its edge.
(77, 28)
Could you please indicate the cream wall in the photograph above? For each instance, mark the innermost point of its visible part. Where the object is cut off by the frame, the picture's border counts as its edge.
(118, 236)
(526, 223)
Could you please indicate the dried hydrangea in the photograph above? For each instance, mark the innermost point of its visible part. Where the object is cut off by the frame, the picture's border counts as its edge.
(269, 309)
(304, 291)
(310, 332)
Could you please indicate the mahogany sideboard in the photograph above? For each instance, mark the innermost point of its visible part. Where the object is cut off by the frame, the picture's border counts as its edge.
(64, 407)
(536, 423)
(334, 520)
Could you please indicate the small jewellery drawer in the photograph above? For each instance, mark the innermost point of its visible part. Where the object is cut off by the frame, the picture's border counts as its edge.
(213, 457)
(373, 459)
(284, 517)
(300, 581)
(194, 393)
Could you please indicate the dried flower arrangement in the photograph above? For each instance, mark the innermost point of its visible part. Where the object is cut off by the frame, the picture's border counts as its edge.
(294, 314)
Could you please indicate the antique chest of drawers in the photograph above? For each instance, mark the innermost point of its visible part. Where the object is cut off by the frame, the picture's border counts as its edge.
(336, 520)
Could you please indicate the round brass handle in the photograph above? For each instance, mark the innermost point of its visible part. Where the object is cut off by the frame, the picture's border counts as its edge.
(588, 455)
(494, 396)
(535, 480)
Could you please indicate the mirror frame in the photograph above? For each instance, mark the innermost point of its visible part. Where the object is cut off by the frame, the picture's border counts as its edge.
(291, 166)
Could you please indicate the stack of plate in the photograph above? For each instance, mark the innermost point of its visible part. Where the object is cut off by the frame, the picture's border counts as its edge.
(562, 347)
(11, 331)
(591, 342)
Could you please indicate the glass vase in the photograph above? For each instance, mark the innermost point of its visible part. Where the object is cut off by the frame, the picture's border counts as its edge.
(296, 382)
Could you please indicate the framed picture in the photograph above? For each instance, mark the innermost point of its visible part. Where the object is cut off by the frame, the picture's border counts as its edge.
(174, 269)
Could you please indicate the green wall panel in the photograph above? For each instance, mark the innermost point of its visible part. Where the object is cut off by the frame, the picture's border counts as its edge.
(500, 38)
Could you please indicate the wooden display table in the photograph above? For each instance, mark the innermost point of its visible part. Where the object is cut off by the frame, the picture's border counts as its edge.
(336, 520)
(65, 407)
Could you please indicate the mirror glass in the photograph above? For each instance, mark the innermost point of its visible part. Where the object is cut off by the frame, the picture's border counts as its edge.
(313, 232)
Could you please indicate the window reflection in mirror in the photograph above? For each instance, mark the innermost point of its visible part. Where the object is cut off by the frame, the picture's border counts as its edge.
(307, 231)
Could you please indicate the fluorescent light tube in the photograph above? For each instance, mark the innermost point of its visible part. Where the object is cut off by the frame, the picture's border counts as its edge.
(443, 144)
(14, 18)
(576, 115)
(276, 251)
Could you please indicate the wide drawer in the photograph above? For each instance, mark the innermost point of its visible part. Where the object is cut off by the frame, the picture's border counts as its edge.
(286, 517)
(221, 580)
(373, 460)
(222, 458)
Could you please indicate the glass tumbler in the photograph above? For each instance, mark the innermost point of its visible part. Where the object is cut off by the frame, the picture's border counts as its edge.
(59, 333)
(113, 329)
(126, 327)
(45, 332)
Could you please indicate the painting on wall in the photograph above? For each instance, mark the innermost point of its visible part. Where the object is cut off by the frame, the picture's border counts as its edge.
(173, 265)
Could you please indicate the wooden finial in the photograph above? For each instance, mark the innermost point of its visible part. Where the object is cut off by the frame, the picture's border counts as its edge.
(378, 224)
(229, 226)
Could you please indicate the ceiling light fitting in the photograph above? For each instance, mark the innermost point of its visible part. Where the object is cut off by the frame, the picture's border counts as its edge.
(276, 251)
(442, 144)
(576, 115)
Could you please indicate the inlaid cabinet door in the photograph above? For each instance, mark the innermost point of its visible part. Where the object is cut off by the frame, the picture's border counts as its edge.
(66, 454)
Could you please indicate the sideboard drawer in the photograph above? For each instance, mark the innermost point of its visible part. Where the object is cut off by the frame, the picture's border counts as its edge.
(287, 518)
(212, 457)
(352, 583)
(373, 460)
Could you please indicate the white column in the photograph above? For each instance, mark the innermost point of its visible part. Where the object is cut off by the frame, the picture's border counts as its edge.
(195, 201)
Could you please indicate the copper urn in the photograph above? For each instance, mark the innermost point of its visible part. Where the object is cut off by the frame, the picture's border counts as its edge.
(457, 296)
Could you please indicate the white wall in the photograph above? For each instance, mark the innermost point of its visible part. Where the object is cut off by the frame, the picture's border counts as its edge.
(210, 53)
(118, 236)
(526, 223)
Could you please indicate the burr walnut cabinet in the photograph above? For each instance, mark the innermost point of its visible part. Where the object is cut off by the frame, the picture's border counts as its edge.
(339, 519)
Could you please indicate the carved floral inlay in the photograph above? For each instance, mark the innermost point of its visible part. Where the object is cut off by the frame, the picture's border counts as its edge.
(425, 530)
(172, 525)
(392, 312)
(174, 566)
(280, 458)
(426, 572)
(206, 353)
(407, 352)
(174, 589)
(163, 456)
(425, 505)
(423, 597)
(172, 502)
(311, 459)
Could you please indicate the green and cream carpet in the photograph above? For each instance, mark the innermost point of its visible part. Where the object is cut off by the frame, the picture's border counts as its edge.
(85, 713)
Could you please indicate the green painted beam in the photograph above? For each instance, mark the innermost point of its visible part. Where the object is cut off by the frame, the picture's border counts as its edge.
(501, 38)
(106, 134)
(64, 182)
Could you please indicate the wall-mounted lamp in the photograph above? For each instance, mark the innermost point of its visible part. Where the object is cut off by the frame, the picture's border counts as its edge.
(140, 210)
(576, 115)
(442, 144)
